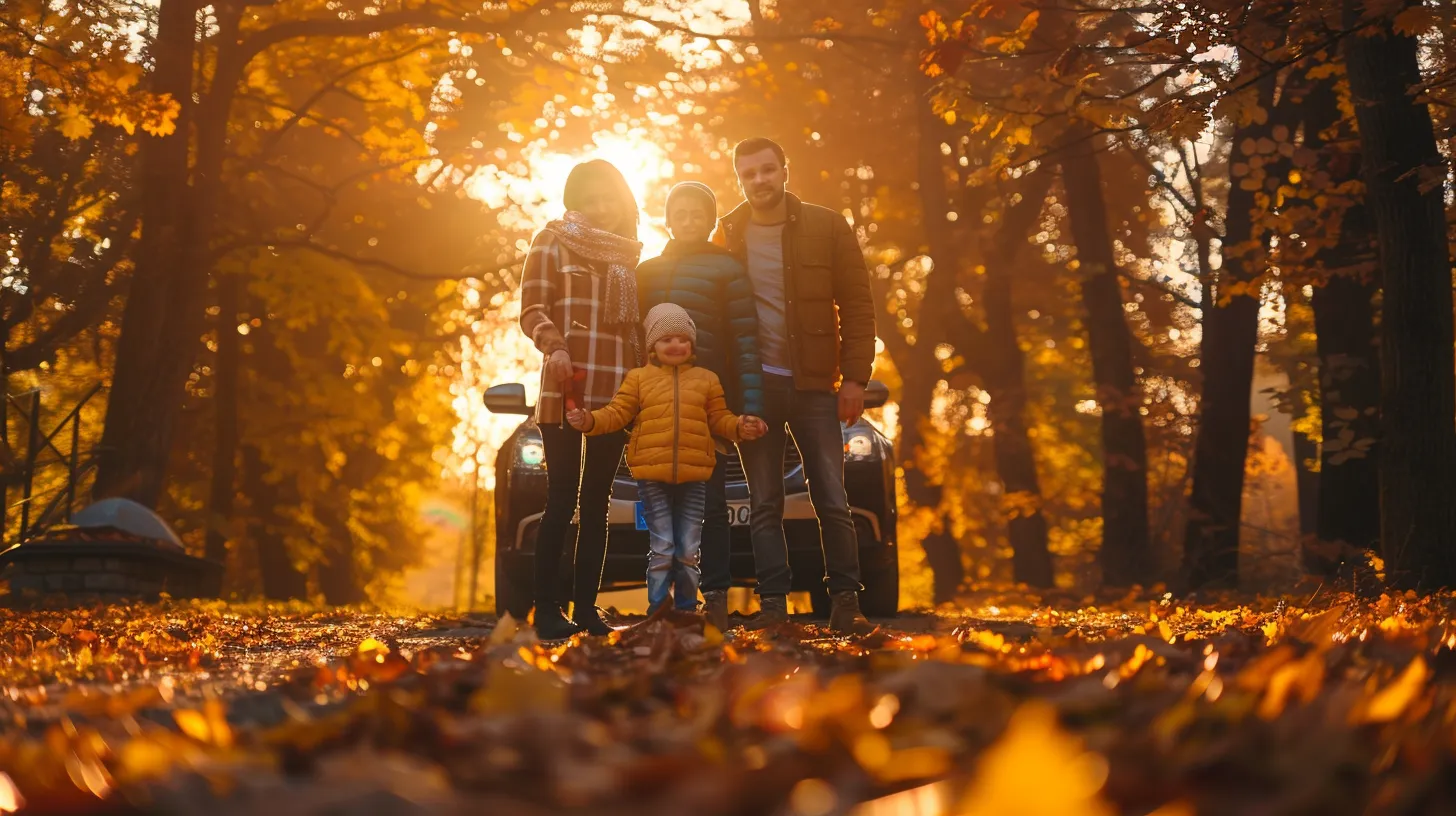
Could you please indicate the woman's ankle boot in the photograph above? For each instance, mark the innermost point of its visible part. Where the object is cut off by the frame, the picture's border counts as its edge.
(552, 625)
(589, 618)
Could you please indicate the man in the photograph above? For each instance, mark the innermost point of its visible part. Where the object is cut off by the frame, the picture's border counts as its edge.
(816, 338)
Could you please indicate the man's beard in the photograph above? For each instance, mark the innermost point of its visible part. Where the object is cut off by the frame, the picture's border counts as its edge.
(777, 193)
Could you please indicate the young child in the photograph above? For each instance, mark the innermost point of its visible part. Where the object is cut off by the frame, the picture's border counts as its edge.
(714, 288)
(678, 408)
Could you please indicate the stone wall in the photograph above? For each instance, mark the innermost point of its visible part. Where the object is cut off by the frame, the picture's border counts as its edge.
(38, 570)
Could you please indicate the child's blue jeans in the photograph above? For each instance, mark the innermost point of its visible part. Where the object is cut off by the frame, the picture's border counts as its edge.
(674, 515)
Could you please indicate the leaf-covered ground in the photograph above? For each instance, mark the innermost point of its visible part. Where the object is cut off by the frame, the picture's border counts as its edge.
(1006, 707)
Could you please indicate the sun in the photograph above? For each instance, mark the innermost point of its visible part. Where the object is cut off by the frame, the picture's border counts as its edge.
(528, 193)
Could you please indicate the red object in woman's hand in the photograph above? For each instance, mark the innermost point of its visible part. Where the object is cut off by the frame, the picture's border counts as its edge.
(572, 389)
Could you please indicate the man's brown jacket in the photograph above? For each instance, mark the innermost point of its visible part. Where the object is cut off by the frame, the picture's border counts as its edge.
(830, 311)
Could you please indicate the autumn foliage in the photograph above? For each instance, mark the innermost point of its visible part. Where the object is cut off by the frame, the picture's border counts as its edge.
(1166, 315)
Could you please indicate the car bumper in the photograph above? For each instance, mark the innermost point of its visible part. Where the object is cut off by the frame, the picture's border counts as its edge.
(622, 518)
(627, 546)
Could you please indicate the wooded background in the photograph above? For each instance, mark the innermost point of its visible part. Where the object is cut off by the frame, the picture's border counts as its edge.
(285, 237)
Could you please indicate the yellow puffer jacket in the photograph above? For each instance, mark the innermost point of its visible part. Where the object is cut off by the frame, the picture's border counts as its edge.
(678, 411)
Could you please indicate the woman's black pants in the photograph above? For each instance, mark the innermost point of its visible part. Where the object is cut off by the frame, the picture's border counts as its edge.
(572, 481)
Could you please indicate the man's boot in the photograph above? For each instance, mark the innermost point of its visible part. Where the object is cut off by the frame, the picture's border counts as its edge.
(715, 608)
(772, 611)
(845, 617)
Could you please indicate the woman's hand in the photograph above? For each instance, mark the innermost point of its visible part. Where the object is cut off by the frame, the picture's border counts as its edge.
(751, 428)
(558, 366)
(580, 420)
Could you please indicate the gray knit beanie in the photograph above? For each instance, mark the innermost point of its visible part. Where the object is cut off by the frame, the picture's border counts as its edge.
(695, 188)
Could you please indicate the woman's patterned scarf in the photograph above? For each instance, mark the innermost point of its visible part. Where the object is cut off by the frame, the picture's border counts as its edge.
(620, 255)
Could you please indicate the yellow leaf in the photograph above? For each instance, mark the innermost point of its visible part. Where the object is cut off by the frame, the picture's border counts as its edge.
(1391, 701)
(370, 644)
(822, 95)
(209, 724)
(143, 758)
(505, 630)
(193, 724)
(1035, 768)
(124, 76)
(124, 122)
(711, 636)
(161, 118)
(1299, 678)
(75, 124)
(510, 691)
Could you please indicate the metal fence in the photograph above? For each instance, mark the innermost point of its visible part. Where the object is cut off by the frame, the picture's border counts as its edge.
(39, 510)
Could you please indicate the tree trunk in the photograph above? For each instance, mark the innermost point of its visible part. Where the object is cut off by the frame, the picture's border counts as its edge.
(338, 572)
(1306, 482)
(281, 580)
(151, 371)
(1349, 503)
(1004, 373)
(225, 434)
(1126, 554)
(1347, 518)
(136, 440)
(920, 377)
(1226, 360)
(1404, 176)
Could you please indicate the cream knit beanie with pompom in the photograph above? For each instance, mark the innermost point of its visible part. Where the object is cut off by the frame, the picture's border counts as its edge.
(668, 318)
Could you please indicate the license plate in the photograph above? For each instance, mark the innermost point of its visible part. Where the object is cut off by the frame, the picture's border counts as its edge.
(738, 515)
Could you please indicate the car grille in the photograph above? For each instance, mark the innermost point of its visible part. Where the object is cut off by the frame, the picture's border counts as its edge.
(792, 462)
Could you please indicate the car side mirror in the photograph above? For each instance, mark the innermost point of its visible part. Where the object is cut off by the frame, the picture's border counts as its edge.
(506, 398)
(876, 394)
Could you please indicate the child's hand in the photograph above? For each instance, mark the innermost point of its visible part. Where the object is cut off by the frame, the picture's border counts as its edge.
(579, 419)
(751, 428)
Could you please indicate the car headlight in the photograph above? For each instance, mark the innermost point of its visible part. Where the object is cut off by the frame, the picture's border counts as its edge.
(859, 445)
(530, 452)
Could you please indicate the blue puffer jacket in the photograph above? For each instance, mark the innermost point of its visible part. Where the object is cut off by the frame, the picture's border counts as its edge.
(714, 288)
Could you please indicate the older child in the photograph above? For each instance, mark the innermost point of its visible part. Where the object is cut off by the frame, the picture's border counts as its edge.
(714, 288)
(678, 408)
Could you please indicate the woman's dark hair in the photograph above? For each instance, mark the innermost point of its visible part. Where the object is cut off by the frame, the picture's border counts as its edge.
(589, 174)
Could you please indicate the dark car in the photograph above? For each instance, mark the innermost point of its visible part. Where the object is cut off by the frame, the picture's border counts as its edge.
(869, 478)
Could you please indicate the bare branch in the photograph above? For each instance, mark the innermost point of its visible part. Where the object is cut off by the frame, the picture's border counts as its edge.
(758, 36)
(340, 255)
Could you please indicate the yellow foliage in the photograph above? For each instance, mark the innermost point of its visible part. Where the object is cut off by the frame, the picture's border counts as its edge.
(1036, 769)
(1392, 701)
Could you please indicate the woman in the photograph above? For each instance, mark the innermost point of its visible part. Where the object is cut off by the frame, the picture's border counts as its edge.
(579, 306)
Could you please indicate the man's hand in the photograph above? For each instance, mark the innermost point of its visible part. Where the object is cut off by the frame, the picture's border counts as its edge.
(580, 420)
(558, 366)
(751, 428)
(851, 401)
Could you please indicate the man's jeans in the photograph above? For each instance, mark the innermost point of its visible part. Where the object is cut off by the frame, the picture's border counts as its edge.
(674, 514)
(813, 419)
(717, 535)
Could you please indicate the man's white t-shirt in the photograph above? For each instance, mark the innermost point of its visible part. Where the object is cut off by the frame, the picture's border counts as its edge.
(766, 271)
